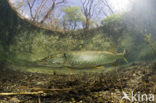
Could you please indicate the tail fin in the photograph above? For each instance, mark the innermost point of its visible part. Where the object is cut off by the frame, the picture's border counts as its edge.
(124, 56)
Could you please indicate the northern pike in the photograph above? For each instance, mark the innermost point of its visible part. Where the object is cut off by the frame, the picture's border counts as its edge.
(84, 59)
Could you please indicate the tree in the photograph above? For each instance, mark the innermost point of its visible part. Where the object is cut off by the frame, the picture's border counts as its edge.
(72, 18)
(39, 10)
(88, 10)
(90, 7)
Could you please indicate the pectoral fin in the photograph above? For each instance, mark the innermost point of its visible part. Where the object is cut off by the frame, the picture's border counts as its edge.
(99, 67)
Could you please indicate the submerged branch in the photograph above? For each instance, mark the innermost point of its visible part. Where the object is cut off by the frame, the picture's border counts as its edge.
(22, 93)
(39, 91)
(45, 89)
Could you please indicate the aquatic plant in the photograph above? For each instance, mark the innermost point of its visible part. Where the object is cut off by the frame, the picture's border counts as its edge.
(148, 42)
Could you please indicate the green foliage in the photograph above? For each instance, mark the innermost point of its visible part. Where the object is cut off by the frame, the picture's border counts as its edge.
(114, 18)
(148, 42)
(44, 45)
(73, 13)
(148, 38)
(115, 26)
(98, 42)
(36, 45)
(73, 17)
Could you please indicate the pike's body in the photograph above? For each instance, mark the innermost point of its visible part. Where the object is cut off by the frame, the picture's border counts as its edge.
(85, 59)
(89, 59)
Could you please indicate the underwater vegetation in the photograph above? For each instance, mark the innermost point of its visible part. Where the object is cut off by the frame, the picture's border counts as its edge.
(148, 41)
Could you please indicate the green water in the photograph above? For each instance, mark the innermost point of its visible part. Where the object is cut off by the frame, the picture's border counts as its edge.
(132, 31)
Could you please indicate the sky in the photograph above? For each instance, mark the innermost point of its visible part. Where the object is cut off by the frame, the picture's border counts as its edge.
(121, 5)
(117, 5)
